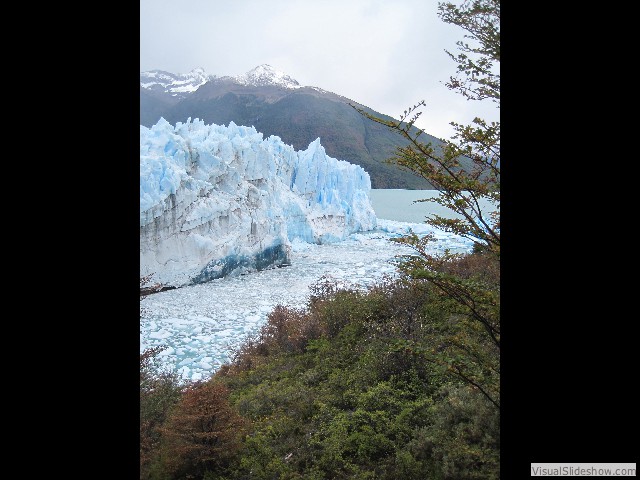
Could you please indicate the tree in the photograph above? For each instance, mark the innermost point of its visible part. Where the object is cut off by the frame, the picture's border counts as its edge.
(466, 172)
(202, 433)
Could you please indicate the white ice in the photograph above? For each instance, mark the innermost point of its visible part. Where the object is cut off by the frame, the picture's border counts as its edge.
(215, 198)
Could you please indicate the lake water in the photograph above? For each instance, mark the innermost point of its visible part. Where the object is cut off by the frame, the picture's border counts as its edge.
(399, 205)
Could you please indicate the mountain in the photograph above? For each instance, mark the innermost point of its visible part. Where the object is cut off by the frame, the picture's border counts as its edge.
(217, 200)
(276, 104)
(265, 75)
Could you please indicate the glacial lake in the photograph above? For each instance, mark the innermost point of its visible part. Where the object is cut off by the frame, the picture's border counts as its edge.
(399, 205)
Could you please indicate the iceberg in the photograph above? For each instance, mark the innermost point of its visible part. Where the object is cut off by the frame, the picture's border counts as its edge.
(221, 200)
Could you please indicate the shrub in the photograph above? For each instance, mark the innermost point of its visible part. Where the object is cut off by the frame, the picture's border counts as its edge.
(159, 392)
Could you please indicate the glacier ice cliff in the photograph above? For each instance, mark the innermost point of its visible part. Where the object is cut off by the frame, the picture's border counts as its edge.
(218, 200)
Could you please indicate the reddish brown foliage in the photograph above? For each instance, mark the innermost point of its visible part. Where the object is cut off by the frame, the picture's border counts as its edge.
(203, 432)
(287, 331)
(485, 267)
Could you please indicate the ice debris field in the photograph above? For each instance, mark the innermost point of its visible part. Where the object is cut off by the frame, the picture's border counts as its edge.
(201, 325)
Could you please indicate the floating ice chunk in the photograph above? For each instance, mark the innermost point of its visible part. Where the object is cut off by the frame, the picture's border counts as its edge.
(160, 334)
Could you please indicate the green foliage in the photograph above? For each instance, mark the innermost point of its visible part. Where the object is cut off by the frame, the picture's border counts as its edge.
(351, 404)
(477, 79)
(464, 438)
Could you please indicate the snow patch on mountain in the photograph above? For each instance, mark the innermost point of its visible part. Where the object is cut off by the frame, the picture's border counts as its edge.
(264, 75)
(181, 85)
(178, 85)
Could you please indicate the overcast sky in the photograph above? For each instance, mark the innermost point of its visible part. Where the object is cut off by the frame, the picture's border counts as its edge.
(385, 54)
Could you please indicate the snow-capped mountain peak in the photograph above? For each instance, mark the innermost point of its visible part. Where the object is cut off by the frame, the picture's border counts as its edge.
(264, 75)
(177, 85)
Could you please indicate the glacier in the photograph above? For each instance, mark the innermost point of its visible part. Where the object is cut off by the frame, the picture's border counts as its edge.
(220, 200)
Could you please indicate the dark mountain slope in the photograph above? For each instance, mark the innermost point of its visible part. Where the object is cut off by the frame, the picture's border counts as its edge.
(154, 105)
